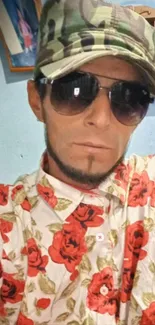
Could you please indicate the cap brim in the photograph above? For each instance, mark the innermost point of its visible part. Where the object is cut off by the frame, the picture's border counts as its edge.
(59, 68)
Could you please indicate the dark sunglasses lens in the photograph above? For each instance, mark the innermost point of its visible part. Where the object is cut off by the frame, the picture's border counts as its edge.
(71, 94)
(130, 102)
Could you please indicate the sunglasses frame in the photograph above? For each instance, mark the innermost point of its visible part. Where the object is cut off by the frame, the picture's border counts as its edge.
(48, 81)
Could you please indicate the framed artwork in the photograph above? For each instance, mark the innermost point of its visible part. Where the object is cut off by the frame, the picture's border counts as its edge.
(19, 29)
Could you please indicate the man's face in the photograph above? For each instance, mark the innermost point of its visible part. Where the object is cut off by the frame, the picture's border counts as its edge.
(88, 145)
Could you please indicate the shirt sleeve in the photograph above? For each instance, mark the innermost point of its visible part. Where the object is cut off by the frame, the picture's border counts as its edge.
(142, 300)
(12, 263)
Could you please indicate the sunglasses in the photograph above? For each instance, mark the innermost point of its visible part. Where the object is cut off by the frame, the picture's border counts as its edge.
(75, 92)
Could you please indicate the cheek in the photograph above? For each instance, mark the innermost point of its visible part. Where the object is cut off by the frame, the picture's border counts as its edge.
(124, 134)
(120, 140)
(60, 137)
(59, 134)
(57, 127)
(61, 129)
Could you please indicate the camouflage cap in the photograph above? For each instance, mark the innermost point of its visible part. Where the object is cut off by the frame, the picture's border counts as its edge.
(73, 32)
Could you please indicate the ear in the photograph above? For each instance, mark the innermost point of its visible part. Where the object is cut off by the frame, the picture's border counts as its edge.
(35, 101)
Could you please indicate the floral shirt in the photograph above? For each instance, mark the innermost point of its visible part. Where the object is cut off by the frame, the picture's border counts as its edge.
(79, 258)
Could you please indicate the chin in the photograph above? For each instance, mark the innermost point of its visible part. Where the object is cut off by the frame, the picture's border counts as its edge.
(92, 164)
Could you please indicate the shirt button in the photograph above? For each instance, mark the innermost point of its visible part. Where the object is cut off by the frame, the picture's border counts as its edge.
(99, 237)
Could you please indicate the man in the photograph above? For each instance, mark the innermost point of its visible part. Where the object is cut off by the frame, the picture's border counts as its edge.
(77, 236)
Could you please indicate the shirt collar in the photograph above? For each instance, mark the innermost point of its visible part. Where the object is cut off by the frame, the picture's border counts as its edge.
(115, 185)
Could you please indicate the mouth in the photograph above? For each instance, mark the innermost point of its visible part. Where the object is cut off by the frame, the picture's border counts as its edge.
(92, 145)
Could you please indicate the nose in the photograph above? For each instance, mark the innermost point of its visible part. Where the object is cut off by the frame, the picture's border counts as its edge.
(99, 112)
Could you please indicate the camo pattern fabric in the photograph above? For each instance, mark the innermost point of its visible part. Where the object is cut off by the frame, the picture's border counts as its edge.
(69, 27)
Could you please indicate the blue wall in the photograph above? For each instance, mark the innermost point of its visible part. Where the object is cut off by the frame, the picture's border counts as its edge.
(22, 137)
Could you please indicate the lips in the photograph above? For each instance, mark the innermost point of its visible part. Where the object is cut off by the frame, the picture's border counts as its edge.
(92, 145)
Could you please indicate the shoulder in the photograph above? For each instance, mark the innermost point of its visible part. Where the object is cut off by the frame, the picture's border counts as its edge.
(16, 194)
(141, 165)
(141, 183)
(16, 202)
(15, 218)
(136, 170)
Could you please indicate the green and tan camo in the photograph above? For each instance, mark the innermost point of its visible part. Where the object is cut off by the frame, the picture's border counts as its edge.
(73, 32)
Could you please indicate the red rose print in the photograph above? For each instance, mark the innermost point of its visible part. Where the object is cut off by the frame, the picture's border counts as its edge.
(5, 256)
(23, 320)
(102, 297)
(87, 215)
(15, 190)
(6, 227)
(122, 174)
(74, 275)
(153, 198)
(136, 238)
(148, 316)
(12, 289)
(127, 280)
(2, 310)
(25, 204)
(48, 195)
(1, 270)
(68, 246)
(4, 192)
(43, 303)
(36, 262)
(140, 189)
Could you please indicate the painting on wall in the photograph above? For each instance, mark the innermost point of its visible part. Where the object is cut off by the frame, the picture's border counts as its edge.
(19, 29)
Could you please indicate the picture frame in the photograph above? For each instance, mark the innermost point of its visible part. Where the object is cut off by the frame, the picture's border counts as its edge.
(19, 20)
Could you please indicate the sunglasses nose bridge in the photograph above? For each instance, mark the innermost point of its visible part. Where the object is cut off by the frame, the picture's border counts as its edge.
(99, 112)
(106, 91)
